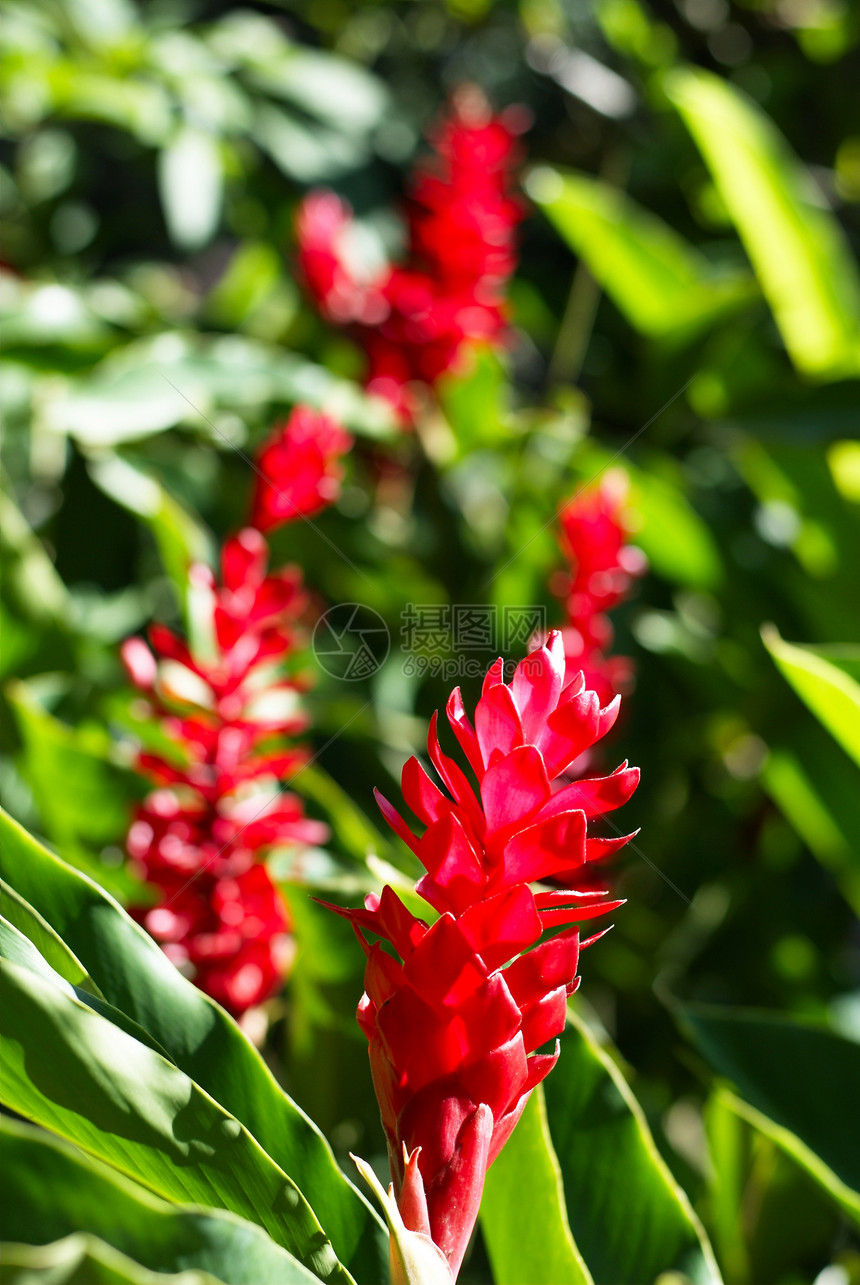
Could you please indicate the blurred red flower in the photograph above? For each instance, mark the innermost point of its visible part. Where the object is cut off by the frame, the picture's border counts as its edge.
(299, 468)
(603, 567)
(224, 707)
(413, 319)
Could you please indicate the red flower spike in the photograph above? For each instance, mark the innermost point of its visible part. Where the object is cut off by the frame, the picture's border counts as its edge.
(414, 319)
(603, 567)
(455, 1018)
(200, 839)
(299, 469)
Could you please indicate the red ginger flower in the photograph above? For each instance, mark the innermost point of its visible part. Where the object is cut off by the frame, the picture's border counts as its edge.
(199, 836)
(299, 468)
(455, 1023)
(603, 567)
(414, 319)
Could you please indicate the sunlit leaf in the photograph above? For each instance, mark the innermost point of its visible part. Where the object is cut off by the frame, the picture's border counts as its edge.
(796, 246)
(662, 284)
(69, 1069)
(830, 693)
(527, 1177)
(189, 179)
(203, 1041)
(630, 1219)
(50, 1189)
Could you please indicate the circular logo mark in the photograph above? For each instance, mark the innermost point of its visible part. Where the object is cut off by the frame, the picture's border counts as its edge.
(351, 641)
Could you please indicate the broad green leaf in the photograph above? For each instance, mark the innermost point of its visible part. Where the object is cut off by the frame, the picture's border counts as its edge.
(50, 1189)
(49, 944)
(190, 182)
(797, 1082)
(662, 284)
(81, 795)
(80, 1259)
(525, 1178)
(797, 248)
(630, 1220)
(198, 1035)
(180, 537)
(19, 949)
(72, 1071)
(830, 693)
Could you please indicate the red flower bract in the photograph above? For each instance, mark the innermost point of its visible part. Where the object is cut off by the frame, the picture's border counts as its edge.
(456, 1017)
(200, 835)
(413, 319)
(299, 468)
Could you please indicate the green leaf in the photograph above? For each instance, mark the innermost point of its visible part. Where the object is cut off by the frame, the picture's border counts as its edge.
(527, 1177)
(81, 795)
(80, 1259)
(49, 1189)
(180, 537)
(49, 944)
(661, 283)
(797, 1082)
(190, 183)
(18, 949)
(153, 384)
(676, 541)
(335, 90)
(630, 1220)
(830, 693)
(796, 247)
(72, 1071)
(198, 1035)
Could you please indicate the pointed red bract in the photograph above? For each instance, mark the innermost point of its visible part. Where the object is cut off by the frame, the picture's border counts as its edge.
(456, 1016)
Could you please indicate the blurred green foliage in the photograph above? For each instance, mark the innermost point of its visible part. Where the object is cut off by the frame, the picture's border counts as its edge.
(687, 307)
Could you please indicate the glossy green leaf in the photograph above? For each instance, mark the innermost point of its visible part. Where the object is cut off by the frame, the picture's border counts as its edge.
(80, 1259)
(797, 1081)
(797, 248)
(661, 283)
(630, 1220)
(199, 1036)
(50, 1189)
(18, 912)
(527, 1177)
(19, 949)
(72, 1071)
(831, 694)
